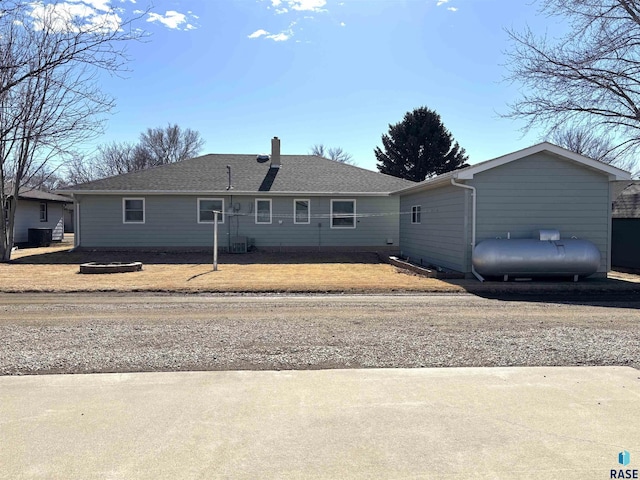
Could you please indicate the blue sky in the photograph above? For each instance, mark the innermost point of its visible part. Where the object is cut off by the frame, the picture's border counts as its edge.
(316, 71)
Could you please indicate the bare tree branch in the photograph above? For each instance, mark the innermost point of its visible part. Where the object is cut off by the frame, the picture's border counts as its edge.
(336, 154)
(170, 144)
(157, 146)
(50, 98)
(590, 78)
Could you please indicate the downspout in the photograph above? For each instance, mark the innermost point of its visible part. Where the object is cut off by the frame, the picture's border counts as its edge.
(76, 223)
(473, 223)
(228, 219)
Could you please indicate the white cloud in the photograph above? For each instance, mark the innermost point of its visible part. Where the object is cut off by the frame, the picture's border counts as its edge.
(444, 2)
(297, 10)
(280, 37)
(276, 37)
(284, 6)
(170, 19)
(258, 33)
(307, 5)
(102, 5)
(342, 24)
(75, 14)
(174, 20)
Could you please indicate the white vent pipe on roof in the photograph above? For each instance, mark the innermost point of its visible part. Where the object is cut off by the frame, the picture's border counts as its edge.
(275, 152)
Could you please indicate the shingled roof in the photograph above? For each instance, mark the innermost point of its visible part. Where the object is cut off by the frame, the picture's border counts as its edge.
(249, 174)
(28, 193)
(627, 202)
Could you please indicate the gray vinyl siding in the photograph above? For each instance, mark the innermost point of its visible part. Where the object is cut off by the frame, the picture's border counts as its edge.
(172, 221)
(539, 192)
(442, 236)
(28, 216)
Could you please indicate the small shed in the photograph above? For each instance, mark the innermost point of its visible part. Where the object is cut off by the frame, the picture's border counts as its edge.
(625, 226)
(543, 187)
(39, 210)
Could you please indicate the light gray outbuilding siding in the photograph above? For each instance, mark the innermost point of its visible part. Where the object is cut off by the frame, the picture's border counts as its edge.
(172, 221)
(28, 216)
(543, 191)
(514, 199)
(442, 236)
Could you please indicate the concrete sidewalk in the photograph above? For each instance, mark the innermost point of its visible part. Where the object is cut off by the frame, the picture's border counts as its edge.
(533, 423)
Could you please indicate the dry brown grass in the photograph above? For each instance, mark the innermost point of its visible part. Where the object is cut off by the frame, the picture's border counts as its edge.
(55, 269)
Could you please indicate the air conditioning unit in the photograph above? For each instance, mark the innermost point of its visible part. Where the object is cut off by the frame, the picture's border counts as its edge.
(238, 245)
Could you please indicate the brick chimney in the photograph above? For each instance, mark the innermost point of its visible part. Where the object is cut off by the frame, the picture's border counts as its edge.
(275, 152)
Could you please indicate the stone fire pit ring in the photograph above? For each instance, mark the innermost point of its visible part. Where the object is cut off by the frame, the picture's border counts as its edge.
(112, 267)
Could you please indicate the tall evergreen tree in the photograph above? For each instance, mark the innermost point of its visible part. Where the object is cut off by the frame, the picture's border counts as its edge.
(419, 147)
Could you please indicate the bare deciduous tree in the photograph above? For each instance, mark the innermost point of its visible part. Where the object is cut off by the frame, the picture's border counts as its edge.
(170, 144)
(588, 78)
(118, 158)
(336, 154)
(49, 95)
(157, 146)
(588, 142)
(47, 179)
(81, 169)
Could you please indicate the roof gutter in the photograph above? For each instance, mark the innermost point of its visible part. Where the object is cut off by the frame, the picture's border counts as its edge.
(225, 192)
(427, 184)
(473, 223)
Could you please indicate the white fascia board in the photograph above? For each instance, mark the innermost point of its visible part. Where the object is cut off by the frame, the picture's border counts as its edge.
(613, 172)
(225, 193)
(468, 173)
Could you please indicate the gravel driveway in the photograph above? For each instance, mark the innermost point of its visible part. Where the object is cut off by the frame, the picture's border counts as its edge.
(83, 333)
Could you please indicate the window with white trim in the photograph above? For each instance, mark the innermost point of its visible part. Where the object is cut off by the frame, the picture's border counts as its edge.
(301, 211)
(416, 214)
(206, 207)
(343, 214)
(263, 210)
(43, 212)
(133, 210)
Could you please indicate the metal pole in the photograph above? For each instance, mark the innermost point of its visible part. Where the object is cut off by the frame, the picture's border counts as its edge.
(215, 241)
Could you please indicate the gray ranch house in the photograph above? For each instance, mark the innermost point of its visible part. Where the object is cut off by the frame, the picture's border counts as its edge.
(543, 197)
(38, 210)
(272, 202)
(543, 187)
